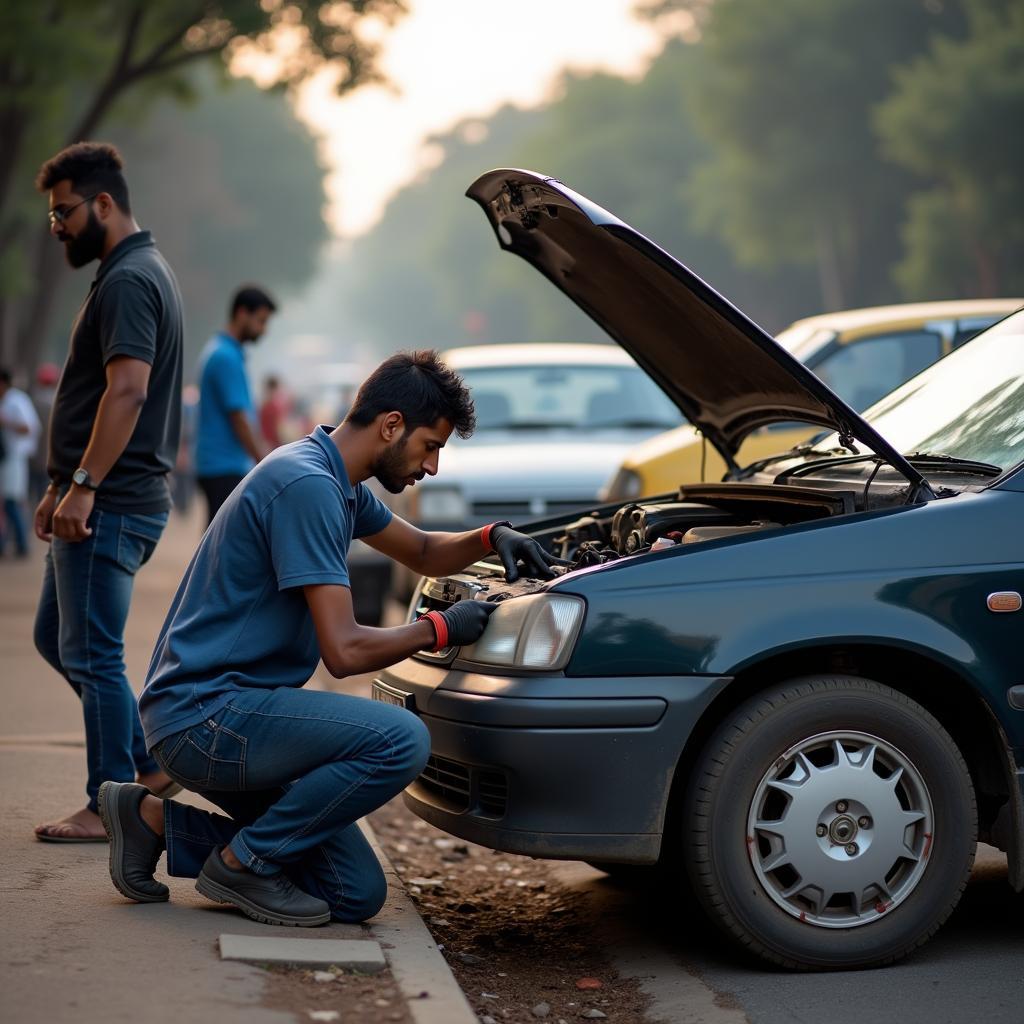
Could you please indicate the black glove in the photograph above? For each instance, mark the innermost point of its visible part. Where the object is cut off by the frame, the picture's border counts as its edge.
(460, 624)
(513, 547)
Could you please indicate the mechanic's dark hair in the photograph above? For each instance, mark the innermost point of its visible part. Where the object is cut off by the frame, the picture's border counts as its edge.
(419, 386)
(91, 167)
(251, 297)
(5, 376)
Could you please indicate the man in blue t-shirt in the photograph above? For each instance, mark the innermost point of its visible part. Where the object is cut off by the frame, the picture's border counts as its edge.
(265, 597)
(226, 440)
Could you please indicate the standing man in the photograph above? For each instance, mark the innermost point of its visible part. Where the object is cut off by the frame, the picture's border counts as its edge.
(113, 437)
(226, 445)
(265, 598)
(20, 426)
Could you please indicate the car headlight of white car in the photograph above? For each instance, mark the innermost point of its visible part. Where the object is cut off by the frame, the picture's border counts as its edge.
(442, 504)
(534, 632)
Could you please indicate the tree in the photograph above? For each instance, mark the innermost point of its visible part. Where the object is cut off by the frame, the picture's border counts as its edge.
(950, 120)
(431, 274)
(795, 175)
(65, 67)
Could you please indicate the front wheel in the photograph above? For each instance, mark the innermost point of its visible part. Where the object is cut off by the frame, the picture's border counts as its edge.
(830, 823)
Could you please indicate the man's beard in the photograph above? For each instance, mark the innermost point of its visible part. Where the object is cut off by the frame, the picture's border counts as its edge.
(88, 244)
(390, 468)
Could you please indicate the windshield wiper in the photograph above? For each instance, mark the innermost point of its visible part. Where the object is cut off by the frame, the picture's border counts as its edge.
(952, 462)
(793, 453)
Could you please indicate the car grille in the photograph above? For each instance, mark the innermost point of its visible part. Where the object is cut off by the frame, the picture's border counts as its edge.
(520, 509)
(465, 788)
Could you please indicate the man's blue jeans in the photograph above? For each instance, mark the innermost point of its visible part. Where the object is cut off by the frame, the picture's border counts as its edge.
(295, 769)
(79, 630)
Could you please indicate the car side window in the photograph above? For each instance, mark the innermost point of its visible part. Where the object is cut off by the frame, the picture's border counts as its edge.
(862, 371)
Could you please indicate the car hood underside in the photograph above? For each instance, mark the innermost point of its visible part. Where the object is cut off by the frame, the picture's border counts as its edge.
(725, 374)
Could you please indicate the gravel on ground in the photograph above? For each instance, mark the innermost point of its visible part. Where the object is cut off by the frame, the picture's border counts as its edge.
(517, 941)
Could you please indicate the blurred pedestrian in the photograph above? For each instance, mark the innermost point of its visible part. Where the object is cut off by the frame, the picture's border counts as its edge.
(113, 436)
(20, 427)
(226, 443)
(273, 410)
(42, 394)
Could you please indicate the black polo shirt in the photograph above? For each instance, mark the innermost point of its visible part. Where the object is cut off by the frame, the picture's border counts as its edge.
(133, 309)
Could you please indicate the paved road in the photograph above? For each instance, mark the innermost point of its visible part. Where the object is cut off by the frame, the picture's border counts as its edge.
(972, 971)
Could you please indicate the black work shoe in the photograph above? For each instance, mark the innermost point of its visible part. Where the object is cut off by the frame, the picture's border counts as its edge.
(134, 846)
(272, 899)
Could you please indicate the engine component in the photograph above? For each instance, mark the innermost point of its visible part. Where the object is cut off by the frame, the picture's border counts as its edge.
(698, 534)
(585, 530)
(635, 527)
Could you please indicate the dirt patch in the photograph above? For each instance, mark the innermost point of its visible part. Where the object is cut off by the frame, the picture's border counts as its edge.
(517, 941)
(312, 996)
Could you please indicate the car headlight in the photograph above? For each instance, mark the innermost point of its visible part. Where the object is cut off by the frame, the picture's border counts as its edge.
(537, 631)
(441, 504)
(625, 485)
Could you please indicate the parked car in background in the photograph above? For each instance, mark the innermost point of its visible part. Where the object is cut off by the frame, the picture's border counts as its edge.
(552, 422)
(801, 688)
(861, 354)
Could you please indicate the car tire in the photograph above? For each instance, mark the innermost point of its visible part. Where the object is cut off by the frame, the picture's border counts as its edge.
(765, 842)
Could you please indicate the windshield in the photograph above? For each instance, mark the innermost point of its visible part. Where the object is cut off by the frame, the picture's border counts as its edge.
(575, 397)
(969, 405)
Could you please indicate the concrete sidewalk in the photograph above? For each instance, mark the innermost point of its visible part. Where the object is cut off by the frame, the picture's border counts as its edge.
(73, 948)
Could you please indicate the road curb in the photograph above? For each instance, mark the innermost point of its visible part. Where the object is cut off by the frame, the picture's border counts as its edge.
(420, 970)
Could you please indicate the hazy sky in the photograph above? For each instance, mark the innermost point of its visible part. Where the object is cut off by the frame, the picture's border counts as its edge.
(452, 59)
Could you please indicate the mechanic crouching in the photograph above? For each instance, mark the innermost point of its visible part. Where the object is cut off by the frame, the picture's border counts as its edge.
(265, 597)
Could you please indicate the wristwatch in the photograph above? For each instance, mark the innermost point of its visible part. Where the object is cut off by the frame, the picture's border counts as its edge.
(82, 478)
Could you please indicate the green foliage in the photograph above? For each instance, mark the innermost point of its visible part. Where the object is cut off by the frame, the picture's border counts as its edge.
(954, 119)
(795, 176)
(432, 274)
(66, 68)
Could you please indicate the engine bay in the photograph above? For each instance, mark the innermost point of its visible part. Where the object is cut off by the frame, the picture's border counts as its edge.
(693, 516)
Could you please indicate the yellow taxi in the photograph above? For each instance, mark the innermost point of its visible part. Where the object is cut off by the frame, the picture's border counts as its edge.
(861, 354)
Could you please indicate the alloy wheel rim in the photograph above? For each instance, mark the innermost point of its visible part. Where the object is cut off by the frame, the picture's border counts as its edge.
(840, 829)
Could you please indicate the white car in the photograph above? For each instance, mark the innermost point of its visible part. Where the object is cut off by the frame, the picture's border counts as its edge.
(553, 420)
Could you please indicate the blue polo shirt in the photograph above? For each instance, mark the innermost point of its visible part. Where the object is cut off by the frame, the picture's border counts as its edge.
(240, 619)
(223, 389)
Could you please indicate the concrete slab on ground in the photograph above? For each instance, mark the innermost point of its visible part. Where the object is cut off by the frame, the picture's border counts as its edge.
(352, 954)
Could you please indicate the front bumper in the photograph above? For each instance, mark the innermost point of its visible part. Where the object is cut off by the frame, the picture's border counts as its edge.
(551, 766)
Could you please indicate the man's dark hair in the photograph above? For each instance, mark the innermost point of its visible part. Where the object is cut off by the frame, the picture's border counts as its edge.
(5, 376)
(91, 167)
(251, 297)
(419, 386)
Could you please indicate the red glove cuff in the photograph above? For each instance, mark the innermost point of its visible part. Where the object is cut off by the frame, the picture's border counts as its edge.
(485, 534)
(440, 629)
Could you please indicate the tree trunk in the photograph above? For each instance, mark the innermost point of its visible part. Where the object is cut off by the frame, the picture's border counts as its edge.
(830, 278)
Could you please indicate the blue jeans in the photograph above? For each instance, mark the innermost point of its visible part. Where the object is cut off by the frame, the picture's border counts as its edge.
(295, 770)
(79, 630)
(15, 516)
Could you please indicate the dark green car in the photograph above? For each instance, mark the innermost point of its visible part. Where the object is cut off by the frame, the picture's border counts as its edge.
(802, 686)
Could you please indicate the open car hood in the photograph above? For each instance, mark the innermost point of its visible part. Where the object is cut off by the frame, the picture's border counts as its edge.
(726, 374)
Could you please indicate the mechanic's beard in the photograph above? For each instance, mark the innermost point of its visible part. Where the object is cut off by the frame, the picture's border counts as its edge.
(390, 468)
(87, 245)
